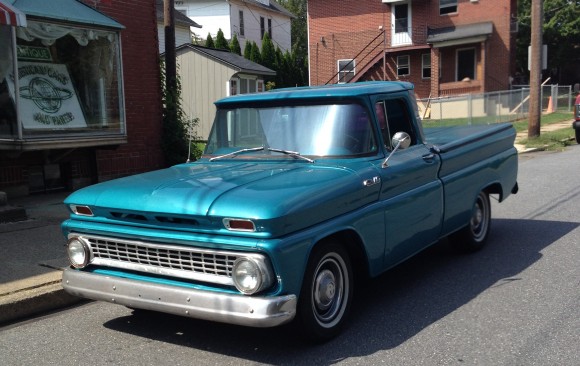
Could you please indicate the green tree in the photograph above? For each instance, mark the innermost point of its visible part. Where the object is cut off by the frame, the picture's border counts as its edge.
(255, 55)
(299, 34)
(177, 132)
(209, 41)
(268, 52)
(248, 50)
(561, 33)
(235, 45)
(220, 41)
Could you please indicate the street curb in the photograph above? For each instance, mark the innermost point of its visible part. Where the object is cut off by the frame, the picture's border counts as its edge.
(34, 300)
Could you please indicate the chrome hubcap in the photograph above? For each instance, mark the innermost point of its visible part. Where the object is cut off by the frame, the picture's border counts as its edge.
(328, 290)
(324, 290)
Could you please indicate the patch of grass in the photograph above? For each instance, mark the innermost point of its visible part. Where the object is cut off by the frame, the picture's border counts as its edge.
(551, 141)
(547, 119)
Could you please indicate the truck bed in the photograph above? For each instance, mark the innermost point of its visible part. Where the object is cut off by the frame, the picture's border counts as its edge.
(472, 156)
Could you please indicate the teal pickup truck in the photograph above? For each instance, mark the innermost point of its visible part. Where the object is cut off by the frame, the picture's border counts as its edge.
(301, 194)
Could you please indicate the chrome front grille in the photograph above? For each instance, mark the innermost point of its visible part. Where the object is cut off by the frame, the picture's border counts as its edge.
(163, 259)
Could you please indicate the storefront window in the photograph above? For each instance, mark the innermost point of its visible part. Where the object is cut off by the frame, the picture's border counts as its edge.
(68, 83)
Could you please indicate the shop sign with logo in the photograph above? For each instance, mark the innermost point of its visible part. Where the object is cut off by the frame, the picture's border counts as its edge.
(33, 53)
(48, 99)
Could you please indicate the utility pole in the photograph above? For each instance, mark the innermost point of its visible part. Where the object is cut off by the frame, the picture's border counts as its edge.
(535, 112)
(170, 62)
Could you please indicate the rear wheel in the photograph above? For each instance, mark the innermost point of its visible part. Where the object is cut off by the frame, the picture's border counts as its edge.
(326, 292)
(473, 236)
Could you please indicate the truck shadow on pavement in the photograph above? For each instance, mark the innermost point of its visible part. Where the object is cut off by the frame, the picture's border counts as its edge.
(389, 311)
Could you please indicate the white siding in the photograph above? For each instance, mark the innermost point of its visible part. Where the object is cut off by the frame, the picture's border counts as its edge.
(281, 26)
(211, 15)
(216, 14)
(182, 35)
(203, 81)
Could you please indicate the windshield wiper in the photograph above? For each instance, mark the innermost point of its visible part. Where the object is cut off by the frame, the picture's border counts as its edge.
(294, 154)
(234, 153)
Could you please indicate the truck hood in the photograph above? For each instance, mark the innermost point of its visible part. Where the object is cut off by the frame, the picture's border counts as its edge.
(278, 197)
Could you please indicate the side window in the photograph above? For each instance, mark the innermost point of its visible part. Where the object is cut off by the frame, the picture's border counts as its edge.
(447, 7)
(382, 121)
(242, 28)
(398, 120)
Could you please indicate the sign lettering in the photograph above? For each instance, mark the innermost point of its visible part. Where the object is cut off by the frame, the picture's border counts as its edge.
(48, 99)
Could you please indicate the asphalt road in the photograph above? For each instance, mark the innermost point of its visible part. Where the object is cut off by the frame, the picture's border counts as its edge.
(516, 302)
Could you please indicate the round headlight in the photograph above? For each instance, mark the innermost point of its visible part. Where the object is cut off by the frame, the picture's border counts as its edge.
(247, 275)
(78, 253)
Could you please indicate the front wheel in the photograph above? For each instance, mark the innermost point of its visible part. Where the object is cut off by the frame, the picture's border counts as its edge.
(326, 292)
(473, 236)
(577, 135)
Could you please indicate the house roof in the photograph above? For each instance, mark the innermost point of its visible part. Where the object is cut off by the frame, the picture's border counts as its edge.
(179, 17)
(65, 10)
(235, 61)
(272, 6)
(460, 34)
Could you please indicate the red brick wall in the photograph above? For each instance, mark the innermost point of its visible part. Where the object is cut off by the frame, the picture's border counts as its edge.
(342, 28)
(142, 91)
(339, 30)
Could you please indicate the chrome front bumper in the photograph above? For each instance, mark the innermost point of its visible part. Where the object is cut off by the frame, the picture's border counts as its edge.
(220, 307)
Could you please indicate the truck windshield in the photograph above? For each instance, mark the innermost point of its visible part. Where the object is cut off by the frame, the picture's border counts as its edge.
(313, 130)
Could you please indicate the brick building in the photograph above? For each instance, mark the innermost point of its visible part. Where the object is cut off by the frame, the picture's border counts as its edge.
(444, 47)
(89, 102)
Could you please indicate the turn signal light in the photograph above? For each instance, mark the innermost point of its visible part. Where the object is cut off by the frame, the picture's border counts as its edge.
(81, 210)
(239, 225)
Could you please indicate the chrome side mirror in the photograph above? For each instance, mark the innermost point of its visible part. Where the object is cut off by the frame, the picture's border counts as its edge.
(401, 140)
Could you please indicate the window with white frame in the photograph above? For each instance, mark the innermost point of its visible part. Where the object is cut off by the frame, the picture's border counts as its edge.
(403, 65)
(346, 70)
(465, 64)
(447, 7)
(242, 30)
(426, 66)
(233, 87)
(244, 85)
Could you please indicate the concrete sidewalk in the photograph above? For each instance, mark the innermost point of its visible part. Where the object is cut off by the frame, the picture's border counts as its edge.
(32, 257)
(33, 254)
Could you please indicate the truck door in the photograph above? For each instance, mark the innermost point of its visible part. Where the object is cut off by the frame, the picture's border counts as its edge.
(411, 193)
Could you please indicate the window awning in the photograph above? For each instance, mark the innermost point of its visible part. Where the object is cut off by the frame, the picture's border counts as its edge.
(65, 10)
(458, 35)
(9, 15)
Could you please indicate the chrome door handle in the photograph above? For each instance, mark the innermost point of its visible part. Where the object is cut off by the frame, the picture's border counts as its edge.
(372, 181)
(429, 157)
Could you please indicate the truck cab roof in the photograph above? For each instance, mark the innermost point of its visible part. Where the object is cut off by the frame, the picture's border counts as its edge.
(321, 91)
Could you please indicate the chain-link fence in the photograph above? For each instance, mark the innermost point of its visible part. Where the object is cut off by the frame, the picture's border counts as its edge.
(493, 107)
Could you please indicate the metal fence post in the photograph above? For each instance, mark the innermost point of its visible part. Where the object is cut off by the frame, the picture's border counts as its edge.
(469, 108)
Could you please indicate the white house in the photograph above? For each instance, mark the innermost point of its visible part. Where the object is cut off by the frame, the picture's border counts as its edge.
(183, 27)
(248, 19)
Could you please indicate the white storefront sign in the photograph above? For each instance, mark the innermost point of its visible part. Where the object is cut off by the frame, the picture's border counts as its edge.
(48, 99)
